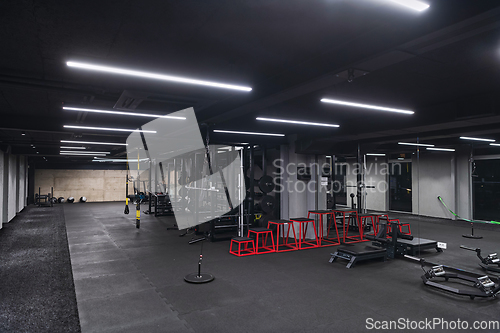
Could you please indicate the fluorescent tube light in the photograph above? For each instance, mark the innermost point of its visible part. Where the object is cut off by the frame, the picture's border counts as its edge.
(162, 77)
(441, 149)
(124, 160)
(415, 144)
(249, 133)
(80, 154)
(64, 147)
(476, 139)
(95, 143)
(366, 106)
(108, 129)
(122, 113)
(373, 154)
(296, 122)
(85, 152)
(413, 4)
(99, 159)
(494, 144)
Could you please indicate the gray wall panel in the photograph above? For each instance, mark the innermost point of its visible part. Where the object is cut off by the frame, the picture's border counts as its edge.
(12, 186)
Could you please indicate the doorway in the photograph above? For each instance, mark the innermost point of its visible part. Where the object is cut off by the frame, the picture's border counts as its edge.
(400, 194)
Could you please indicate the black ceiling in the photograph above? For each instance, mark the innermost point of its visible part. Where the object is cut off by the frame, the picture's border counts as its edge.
(443, 63)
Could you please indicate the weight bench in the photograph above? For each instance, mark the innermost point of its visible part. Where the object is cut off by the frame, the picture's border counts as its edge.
(358, 252)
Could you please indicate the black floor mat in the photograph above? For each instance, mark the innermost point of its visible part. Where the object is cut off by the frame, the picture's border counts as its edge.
(37, 292)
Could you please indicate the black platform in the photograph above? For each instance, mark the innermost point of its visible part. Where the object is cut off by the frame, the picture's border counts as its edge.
(358, 252)
(414, 246)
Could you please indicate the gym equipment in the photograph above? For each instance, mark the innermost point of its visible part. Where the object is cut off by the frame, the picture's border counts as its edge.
(267, 204)
(482, 285)
(54, 200)
(42, 200)
(361, 252)
(471, 221)
(83, 199)
(71, 200)
(472, 233)
(324, 239)
(358, 252)
(280, 230)
(303, 243)
(262, 246)
(162, 205)
(199, 277)
(383, 247)
(402, 244)
(61, 200)
(490, 263)
(238, 241)
(266, 184)
(127, 211)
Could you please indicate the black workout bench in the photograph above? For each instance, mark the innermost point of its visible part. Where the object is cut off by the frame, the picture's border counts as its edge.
(412, 247)
(358, 252)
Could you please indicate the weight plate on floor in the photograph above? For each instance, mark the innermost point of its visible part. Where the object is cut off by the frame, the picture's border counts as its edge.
(267, 204)
(266, 184)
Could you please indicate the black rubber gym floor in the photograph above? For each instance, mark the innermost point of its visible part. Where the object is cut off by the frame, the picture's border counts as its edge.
(130, 280)
(37, 293)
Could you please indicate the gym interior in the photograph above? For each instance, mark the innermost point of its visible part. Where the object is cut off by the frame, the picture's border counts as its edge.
(250, 166)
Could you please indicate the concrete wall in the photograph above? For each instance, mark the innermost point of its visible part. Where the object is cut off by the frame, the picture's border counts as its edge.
(95, 185)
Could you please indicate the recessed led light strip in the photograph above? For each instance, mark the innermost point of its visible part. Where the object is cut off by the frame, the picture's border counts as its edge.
(476, 139)
(95, 143)
(441, 149)
(296, 122)
(108, 129)
(80, 154)
(248, 133)
(373, 154)
(122, 113)
(412, 4)
(64, 147)
(415, 144)
(86, 152)
(97, 159)
(366, 106)
(494, 144)
(148, 75)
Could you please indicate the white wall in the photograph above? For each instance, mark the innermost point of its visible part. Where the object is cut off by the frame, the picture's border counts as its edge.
(376, 174)
(13, 183)
(12, 187)
(463, 182)
(21, 201)
(2, 189)
(299, 197)
(434, 175)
